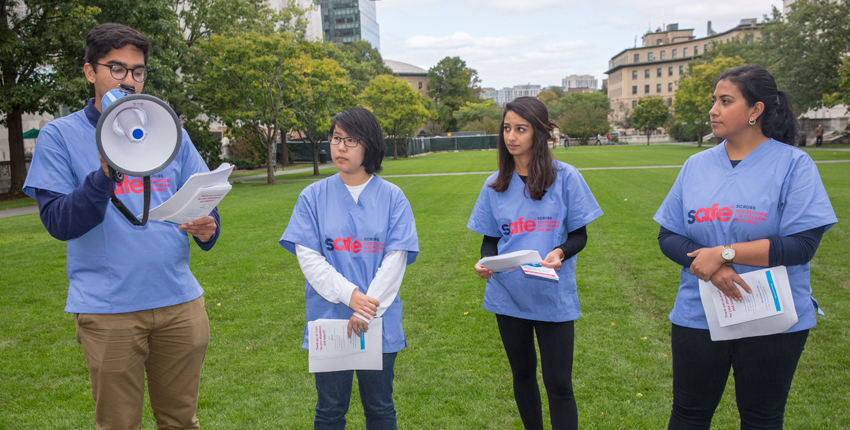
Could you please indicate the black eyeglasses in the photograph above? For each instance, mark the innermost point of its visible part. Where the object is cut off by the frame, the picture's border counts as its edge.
(119, 72)
(350, 142)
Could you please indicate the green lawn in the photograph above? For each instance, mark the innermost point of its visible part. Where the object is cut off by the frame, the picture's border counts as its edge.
(454, 374)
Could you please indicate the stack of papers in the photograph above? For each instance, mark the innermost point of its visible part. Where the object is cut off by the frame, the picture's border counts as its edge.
(527, 260)
(768, 310)
(196, 198)
(331, 350)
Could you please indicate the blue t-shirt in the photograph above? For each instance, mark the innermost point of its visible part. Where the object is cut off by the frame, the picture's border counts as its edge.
(776, 190)
(117, 267)
(541, 225)
(353, 237)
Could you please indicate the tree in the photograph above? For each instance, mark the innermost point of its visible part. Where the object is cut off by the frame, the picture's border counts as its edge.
(693, 97)
(476, 112)
(806, 48)
(325, 91)
(557, 90)
(451, 84)
(624, 121)
(649, 114)
(843, 96)
(250, 81)
(547, 97)
(398, 108)
(362, 62)
(32, 35)
(570, 100)
(584, 119)
(487, 125)
(752, 51)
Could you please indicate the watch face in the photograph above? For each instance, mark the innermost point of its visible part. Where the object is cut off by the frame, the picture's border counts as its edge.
(728, 253)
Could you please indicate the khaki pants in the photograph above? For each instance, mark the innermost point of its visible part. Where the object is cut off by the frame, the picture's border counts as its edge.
(169, 344)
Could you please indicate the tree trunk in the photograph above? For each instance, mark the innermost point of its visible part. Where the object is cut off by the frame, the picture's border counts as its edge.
(270, 160)
(316, 157)
(16, 149)
(395, 148)
(699, 138)
(647, 137)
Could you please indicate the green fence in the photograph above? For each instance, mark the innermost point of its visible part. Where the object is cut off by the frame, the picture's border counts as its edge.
(415, 145)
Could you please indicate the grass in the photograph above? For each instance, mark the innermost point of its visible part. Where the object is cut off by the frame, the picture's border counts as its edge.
(454, 374)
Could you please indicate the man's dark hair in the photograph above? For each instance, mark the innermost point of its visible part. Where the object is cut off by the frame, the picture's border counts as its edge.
(102, 39)
(362, 125)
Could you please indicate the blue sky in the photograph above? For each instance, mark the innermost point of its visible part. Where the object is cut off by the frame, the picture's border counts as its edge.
(513, 42)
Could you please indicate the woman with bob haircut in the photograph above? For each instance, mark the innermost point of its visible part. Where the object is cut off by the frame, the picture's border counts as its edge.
(354, 234)
(534, 203)
(755, 170)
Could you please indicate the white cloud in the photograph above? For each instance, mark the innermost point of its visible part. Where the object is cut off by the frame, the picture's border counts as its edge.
(459, 40)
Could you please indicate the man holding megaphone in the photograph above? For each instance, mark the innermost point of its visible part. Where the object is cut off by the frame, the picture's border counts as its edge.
(137, 307)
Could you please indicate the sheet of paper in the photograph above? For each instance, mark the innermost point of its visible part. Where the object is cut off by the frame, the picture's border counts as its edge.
(540, 271)
(769, 310)
(510, 261)
(330, 349)
(196, 198)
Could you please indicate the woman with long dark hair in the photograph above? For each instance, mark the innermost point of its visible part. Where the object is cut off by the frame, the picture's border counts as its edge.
(535, 203)
(354, 234)
(774, 211)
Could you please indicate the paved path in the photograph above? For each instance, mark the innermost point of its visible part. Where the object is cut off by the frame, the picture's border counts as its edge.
(34, 209)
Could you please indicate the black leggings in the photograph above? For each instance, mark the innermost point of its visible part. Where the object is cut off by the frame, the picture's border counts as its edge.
(763, 368)
(556, 358)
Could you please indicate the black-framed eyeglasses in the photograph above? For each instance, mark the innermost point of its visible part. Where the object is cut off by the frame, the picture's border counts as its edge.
(119, 72)
(350, 142)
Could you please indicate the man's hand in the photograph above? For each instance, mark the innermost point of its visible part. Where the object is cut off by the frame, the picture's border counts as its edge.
(482, 271)
(363, 304)
(202, 228)
(357, 325)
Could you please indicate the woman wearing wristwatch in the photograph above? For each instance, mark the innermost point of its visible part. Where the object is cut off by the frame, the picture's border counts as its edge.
(754, 201)
(534, 203)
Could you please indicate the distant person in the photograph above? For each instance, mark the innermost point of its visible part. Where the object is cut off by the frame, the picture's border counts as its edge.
(566, 141)
(138, 309)
(753, 171)
(819, 136)
(608, 139)
(598, 141)
(354, 235)
(534, 203)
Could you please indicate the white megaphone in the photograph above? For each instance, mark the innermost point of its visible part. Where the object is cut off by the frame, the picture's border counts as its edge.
(137, 135)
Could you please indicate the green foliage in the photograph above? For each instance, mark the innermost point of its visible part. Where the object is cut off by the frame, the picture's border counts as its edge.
(547, 96)
(752, 52)
(205, 143)
(32, 35)
(693, 97)
(842, 96)
(571, 100)
(649, 114)
(398, 108)
(806, 49)
(684, 132)
(583, 120)
(362, 62)
(487, 125)
(557, 90)
(451, 84)
(476, 112)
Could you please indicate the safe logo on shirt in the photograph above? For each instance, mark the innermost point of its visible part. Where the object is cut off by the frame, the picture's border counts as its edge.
(369, 245)
(523, 225)
(741, 213)
(136, 186)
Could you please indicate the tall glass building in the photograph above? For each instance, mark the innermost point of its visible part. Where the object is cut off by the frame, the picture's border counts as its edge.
(344, 21)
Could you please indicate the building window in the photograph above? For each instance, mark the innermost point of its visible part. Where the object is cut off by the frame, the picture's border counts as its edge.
(669, 102)
(696, 50)
(646, 73)
(637, 58)
(657, 88)
(670, 87)
(658, 72)
(674, 53)
(634, 74)
(662, 54)
(420, 85)
(650, 56)
(705, 47)
(634, 89)
(670, 71)
(748, 39)
(681, 69)
(684, 52)
(634, 103)
(646, 89)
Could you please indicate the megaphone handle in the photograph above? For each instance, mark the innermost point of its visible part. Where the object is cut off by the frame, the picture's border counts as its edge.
(126, 212)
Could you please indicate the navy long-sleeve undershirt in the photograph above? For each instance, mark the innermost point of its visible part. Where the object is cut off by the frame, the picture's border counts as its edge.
(790, 250)
(69, 216)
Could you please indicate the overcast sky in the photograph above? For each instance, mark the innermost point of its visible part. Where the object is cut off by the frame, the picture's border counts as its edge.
(514, 42)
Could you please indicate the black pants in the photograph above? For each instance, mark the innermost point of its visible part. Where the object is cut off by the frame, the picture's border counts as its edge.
(818, 141)
(556, 357)
(763, 368)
